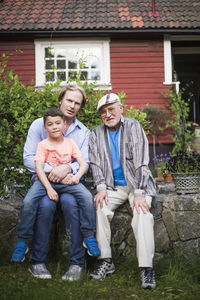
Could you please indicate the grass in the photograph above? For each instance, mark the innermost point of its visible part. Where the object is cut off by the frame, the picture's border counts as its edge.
(177, 278)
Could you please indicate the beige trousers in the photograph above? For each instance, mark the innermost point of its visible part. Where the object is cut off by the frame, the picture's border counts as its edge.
(142, 225)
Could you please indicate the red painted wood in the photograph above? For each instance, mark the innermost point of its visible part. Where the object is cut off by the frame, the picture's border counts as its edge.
(21, 58)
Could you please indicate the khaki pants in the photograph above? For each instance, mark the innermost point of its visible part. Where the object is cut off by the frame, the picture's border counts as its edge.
(142, 225)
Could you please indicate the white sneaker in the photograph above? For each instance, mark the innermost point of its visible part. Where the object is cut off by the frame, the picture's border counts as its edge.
(74, 273)
(102, 269)
(40, 271)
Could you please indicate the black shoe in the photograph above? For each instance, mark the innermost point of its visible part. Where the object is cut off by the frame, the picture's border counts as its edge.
(102, 269)
(148, 278)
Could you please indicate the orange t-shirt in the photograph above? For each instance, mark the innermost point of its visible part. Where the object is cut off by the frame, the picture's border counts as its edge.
(59, 155)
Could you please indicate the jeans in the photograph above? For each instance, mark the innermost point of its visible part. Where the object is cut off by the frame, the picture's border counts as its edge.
(37, 191)
(43, 225)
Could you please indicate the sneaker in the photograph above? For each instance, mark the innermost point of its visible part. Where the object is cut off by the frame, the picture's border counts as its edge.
(40, 271)
(148, 278)
(102, 269)
(74, 273)
(92, 248)
(20, 251)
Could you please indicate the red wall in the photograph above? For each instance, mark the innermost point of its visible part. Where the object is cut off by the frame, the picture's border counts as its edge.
(137, 68)
(21, 58)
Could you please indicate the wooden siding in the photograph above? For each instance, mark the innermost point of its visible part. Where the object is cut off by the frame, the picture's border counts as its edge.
(21, 59)
(137, 68)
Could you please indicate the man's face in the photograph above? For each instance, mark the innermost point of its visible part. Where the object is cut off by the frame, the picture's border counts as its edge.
(71, 103)
(111, 114)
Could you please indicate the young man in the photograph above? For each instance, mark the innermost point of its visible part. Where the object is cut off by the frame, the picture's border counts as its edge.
(71, 100)
(119, 160)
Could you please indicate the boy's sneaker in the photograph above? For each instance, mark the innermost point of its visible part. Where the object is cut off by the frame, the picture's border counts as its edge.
(102, 269)
(40, 271)
(74, 273)
(148, 278)
(19, 253)
(92, 248)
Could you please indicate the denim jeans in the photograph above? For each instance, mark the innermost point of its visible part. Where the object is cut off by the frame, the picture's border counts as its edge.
(43, 225)
(31, 201)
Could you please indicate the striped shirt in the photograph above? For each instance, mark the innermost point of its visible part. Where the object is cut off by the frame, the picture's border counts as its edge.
(134, 157)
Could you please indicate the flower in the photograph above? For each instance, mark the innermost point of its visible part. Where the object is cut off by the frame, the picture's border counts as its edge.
(160, 161)
(184, 162)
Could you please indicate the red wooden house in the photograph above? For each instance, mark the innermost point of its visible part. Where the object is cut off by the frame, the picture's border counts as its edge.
(140, 47)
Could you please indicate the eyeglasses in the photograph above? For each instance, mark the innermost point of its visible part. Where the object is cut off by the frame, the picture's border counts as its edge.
(109, 110)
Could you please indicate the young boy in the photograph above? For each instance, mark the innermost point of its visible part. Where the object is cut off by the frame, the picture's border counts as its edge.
(57, 150)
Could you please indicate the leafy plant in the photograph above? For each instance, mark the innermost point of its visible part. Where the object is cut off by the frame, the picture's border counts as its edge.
(182, 135)
(20, 105)
(157, 118)
(161, 161)
(184, 162)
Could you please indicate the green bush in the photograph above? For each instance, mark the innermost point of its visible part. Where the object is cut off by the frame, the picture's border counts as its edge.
(21, 105)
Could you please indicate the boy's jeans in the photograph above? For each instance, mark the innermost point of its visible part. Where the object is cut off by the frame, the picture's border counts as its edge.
(43, 225)
(30, 205)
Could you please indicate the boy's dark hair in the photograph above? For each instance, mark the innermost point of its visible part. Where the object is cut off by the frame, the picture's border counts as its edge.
(53, 112)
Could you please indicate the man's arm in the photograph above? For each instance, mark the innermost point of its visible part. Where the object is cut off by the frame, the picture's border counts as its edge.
(98, 176)
(74, 179)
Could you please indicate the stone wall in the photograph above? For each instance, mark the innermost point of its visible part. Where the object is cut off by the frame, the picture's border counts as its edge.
(177, 225)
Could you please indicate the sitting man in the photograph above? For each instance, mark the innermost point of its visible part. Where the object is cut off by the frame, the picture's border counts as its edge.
(71, 100)
(119, 158)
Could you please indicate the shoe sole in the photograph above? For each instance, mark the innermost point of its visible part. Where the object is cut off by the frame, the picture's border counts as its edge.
(84, 245)
(40, 276)
(109, 272)
(16, 261)
(148, 287)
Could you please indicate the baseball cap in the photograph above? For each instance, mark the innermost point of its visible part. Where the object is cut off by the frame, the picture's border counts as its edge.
(108, 99)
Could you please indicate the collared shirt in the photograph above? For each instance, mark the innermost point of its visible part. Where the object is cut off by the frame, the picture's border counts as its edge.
(77, 132)
(134, 157)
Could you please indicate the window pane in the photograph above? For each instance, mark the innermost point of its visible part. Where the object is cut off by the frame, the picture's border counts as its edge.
(72, 64)
(95, 75)
(72, 75)
(50, 76)
(61, 64)
(84, 75)
(49, 63)
(48, 52)
(61, 76)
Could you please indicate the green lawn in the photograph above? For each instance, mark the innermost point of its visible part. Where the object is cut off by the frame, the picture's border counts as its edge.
(176, 279)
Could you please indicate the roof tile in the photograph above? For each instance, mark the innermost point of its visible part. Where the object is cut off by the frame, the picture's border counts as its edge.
(100, 14)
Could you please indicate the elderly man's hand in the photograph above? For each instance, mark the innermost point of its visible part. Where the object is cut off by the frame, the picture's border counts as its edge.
(100, 197)
(140, 202)
(59, 172)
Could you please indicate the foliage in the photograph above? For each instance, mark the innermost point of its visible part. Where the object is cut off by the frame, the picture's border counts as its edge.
(184, 162)
(161, 161)
(132, 112)
(21, 105)
(157, 118)
(176, 279)
(182, 135)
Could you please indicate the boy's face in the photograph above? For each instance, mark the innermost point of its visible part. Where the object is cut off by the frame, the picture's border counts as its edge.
(54, 126)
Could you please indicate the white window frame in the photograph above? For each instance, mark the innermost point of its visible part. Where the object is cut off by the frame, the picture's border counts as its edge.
(168, 56)
(104, 44)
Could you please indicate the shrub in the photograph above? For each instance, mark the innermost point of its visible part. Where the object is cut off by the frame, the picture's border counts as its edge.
(21, 105)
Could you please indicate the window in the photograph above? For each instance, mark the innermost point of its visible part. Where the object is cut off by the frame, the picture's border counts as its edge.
(59, 60)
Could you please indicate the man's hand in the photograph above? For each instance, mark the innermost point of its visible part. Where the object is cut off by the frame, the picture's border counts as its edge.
(70, 179)
(100, 197)
(59, 172)
(140, 202)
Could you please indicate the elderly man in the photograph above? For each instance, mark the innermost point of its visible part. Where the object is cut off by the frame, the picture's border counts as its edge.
(119, 158)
